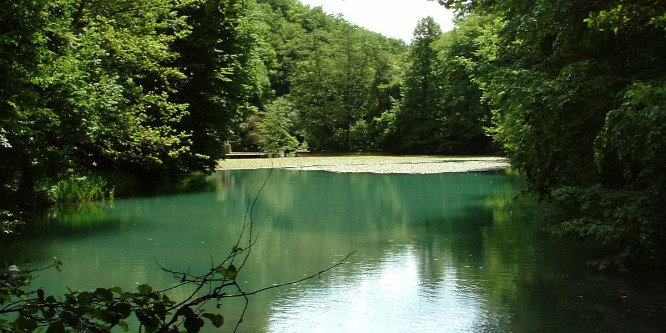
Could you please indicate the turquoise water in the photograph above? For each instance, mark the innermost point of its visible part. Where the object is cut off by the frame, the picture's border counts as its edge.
(434, 253)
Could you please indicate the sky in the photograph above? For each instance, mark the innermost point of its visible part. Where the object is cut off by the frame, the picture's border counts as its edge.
(391, 18)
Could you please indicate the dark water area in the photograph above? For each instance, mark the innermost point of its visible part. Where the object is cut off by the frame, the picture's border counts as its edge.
(452, 252)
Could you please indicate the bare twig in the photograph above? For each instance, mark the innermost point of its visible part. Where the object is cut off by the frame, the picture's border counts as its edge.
(244, 294)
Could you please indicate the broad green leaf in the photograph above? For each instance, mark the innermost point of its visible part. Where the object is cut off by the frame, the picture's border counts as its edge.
(229, 272)
(232, 272)
(148, 319)
(123, 309)
(193, 324)
(216, 319)
(25, 324)
(144, 289)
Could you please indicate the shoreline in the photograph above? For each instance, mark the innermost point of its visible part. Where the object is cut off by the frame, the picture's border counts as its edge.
(372, 164)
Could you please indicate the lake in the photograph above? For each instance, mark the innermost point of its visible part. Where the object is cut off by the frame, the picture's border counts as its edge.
(452, 252)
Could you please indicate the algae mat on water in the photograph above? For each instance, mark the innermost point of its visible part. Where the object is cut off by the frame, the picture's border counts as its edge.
(372, 164)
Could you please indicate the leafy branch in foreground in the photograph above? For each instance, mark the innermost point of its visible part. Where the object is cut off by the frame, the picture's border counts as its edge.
(102, 309)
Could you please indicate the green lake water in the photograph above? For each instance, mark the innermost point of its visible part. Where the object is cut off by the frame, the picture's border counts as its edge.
(434, 253)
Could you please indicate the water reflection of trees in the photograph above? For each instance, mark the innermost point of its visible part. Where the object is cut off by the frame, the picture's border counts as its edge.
(466, 230)
(311, 216)
(463, 238)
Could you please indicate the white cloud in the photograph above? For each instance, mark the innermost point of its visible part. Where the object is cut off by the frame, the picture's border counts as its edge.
(392, 18)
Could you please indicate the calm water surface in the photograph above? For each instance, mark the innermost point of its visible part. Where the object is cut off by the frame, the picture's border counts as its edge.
(434, 253)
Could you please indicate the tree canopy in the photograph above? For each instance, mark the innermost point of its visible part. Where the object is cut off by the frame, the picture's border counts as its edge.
(144, 88)
(576, 90)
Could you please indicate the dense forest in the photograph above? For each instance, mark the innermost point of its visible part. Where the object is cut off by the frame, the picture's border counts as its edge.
(100, 97)
(577, 95)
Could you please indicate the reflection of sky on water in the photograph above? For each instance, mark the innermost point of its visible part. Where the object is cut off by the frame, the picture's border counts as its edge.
(389, 298)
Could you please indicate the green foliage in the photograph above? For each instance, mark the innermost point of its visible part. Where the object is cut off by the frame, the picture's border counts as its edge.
(419, 118)
(84, 189)
(333, 86)
(8, 222)
(464, 115)
(441, 111)
(627, 210)
(576, 91)
(224, 68)
(96, 310)
(630, 146)
(337, 75)
(360, 138)
(630, 222)
(274, 130)
(93, 91)
(148, 89)
(531, 105)
(385, 128)
(627, 15)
